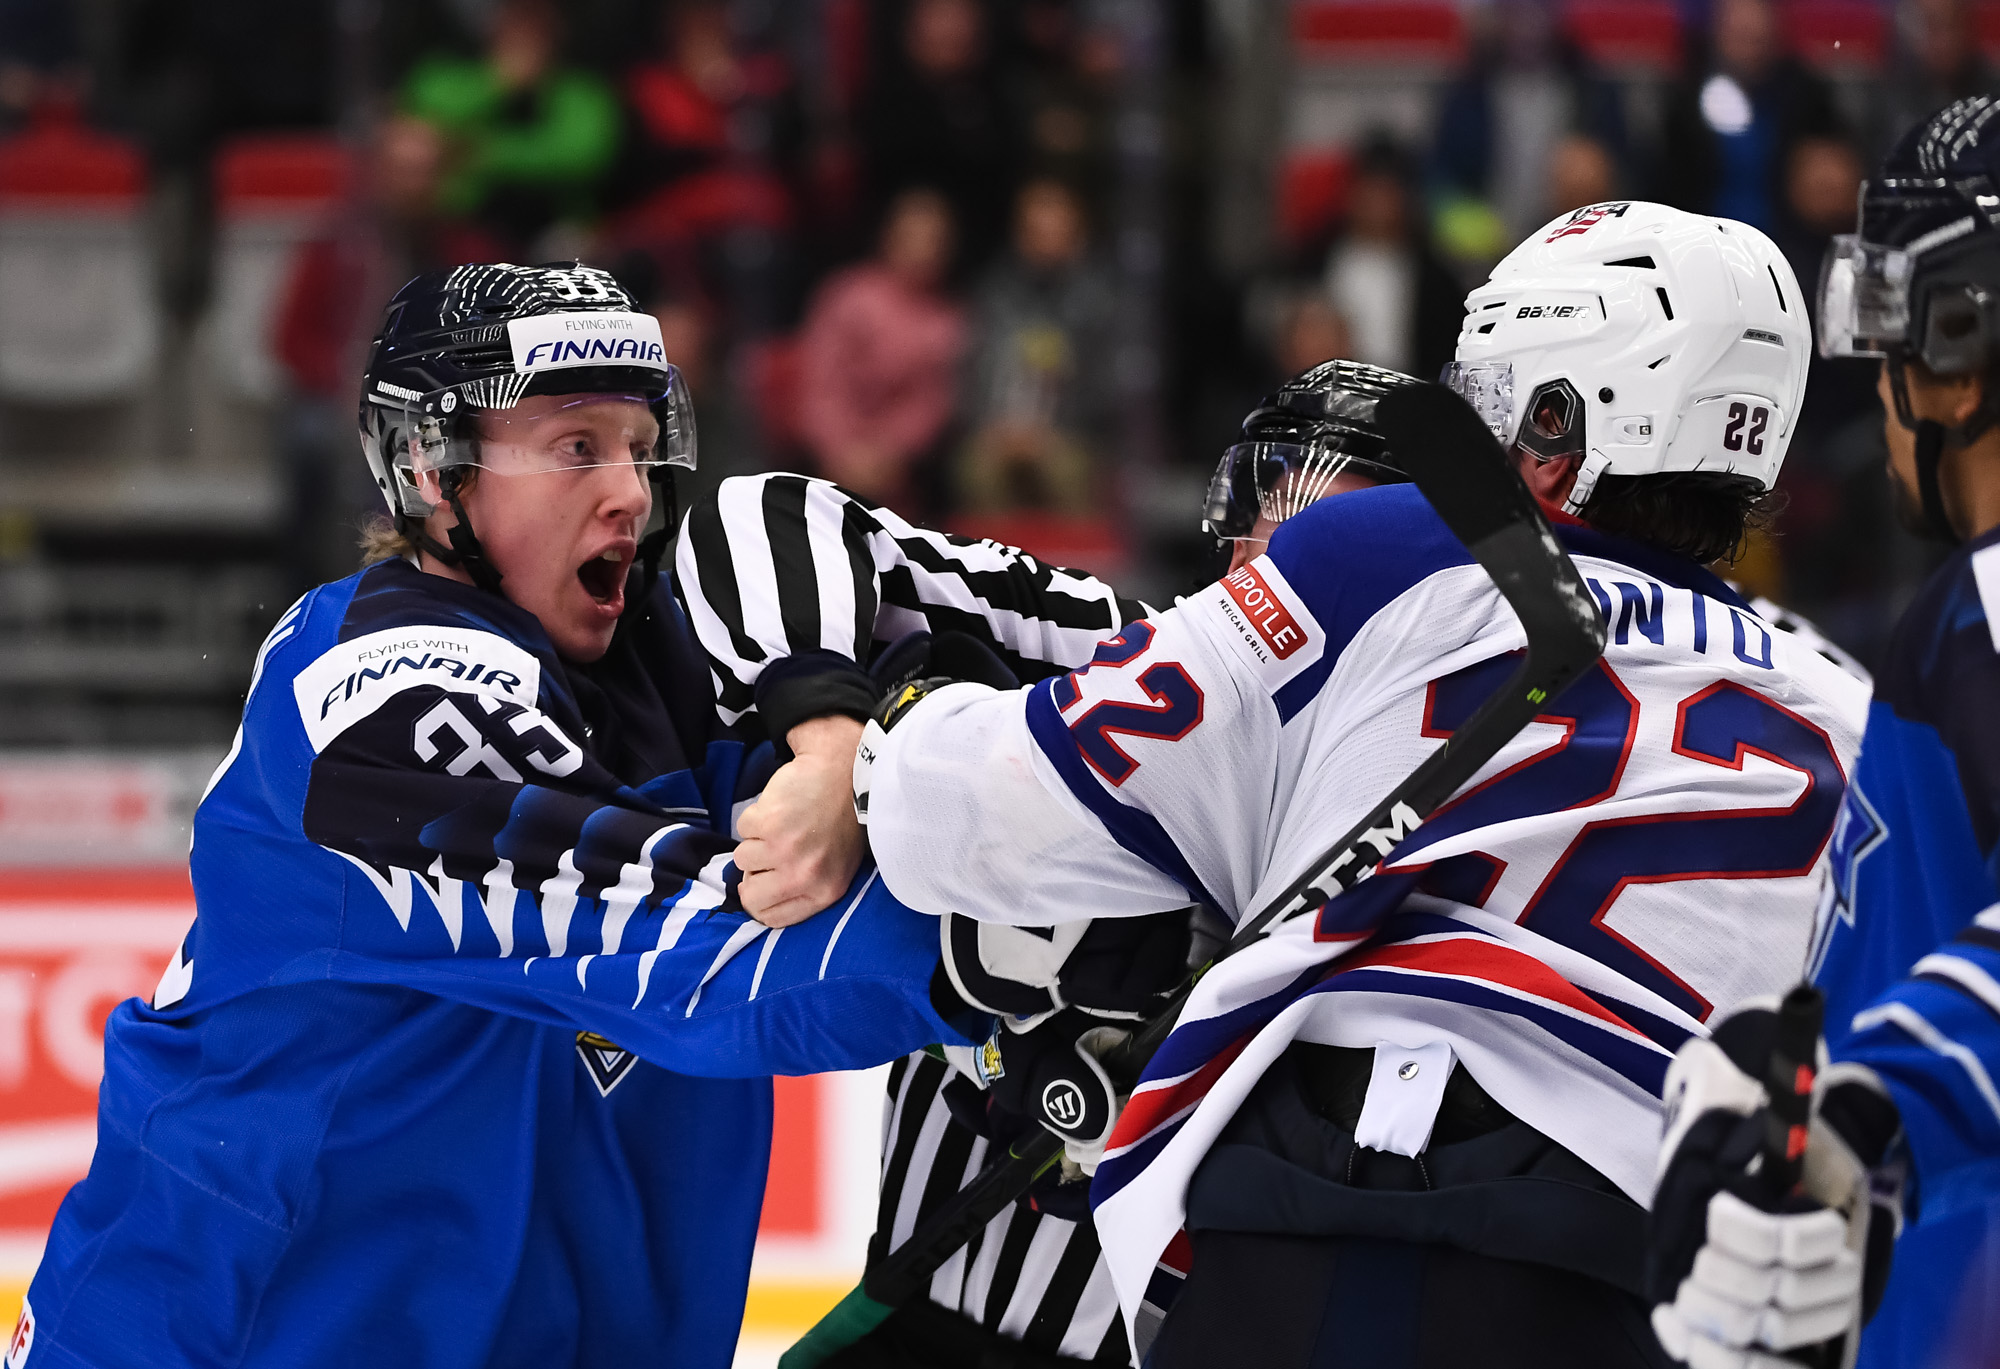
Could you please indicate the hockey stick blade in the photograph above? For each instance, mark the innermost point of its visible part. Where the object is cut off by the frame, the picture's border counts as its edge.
(1463, 474)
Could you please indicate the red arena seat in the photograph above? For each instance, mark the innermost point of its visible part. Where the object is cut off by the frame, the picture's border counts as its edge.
(1986, 19)
(1840, 36)
(273, 193)
(1626, 35)
(1370, 32)
(1312, 193)
(76, 281)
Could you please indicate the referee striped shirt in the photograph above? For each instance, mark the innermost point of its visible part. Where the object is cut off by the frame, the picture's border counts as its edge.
(778, 565)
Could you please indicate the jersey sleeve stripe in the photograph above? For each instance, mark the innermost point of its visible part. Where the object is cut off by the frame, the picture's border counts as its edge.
(1983, 937)
(1918, 1028)
(792, 571)
(1140, 833)
(857, 528)
(706, 570)
(1963, 975)
(1643, 1065)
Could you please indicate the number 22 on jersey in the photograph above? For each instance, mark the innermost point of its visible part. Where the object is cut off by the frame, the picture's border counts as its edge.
(1174, 711)
(1717, 725)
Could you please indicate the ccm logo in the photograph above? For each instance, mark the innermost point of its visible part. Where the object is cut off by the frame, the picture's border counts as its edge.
(1274, 623)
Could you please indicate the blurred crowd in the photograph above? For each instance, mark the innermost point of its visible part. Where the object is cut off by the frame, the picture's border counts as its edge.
(889, 241)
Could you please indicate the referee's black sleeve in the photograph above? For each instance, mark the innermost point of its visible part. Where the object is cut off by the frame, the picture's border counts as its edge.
(774, 566)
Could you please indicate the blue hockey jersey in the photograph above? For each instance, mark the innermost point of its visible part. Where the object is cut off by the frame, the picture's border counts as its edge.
(459, 1064)
(1908, 952)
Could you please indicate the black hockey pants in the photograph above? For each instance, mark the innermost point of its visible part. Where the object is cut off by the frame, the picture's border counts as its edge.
(1496, 1248)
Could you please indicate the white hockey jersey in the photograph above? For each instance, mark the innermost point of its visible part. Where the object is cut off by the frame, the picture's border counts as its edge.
(1647, 850)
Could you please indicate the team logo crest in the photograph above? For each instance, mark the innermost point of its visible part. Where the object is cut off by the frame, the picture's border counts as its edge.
(606, 1062)
(1588, 217)
(1857, 833)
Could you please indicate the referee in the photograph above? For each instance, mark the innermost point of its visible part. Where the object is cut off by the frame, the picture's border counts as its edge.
(789, 582)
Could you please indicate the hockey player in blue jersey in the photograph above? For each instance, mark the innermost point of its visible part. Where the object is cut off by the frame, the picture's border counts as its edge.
(1908, 945)
(460, 1062)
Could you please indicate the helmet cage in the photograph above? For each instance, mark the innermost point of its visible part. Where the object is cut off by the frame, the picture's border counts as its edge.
(1276, 479)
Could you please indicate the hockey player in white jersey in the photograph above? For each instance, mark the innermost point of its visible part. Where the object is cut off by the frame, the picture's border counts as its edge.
(1421, 1127)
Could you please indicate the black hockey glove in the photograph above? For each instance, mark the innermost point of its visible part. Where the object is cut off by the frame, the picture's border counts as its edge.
(1744, 1274)
(1113, 967)
(1052, 1075)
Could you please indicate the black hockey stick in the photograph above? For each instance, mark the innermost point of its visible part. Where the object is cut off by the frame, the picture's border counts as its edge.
(1461, 470)
(1788, 1079)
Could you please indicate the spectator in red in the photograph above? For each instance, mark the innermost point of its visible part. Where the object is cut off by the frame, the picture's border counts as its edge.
(936, 115)
(391, 230)
(710, 165)
(879, 356)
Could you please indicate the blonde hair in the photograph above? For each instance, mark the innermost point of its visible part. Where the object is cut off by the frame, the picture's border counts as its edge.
(382, 540)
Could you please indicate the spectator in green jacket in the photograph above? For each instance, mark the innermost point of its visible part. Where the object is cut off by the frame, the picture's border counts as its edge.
(529, 138)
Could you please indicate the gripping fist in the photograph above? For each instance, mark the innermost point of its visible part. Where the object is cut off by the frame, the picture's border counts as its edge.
(1054, 1075)
(1747, 1269)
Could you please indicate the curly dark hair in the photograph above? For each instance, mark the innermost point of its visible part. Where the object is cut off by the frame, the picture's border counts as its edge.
(1703, 515)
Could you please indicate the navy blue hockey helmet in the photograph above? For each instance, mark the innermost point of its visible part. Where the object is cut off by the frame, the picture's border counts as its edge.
(474, 341)
(1922, 276)
(1319, 424)
(1921, 279)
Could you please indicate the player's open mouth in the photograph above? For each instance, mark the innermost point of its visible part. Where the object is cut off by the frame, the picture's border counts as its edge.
(603, 575)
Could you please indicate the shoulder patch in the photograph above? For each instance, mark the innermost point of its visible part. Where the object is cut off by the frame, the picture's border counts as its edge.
(1269, 622)
(350, 681)
(1986, 574)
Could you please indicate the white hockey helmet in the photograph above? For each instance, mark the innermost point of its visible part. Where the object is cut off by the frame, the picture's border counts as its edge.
(1644, 337)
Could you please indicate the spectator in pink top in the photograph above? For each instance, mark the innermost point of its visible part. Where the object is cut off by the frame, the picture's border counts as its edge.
(879, 356)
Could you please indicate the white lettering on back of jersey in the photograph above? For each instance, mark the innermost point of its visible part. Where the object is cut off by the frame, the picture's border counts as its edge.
(350, 681)
(1269, 623)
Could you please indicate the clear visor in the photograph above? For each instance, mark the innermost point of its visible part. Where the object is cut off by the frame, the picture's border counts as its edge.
(1488, 386)
(1273, 480)
(1864, 299)
(643, 427)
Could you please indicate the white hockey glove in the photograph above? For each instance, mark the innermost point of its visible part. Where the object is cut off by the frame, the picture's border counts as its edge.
(1743, 1276)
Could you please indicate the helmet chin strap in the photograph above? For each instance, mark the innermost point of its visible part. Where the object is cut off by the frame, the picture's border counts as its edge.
(465, 551)
(653, 545)
(1930, 451)
(1587, 471)
(1931, 437)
